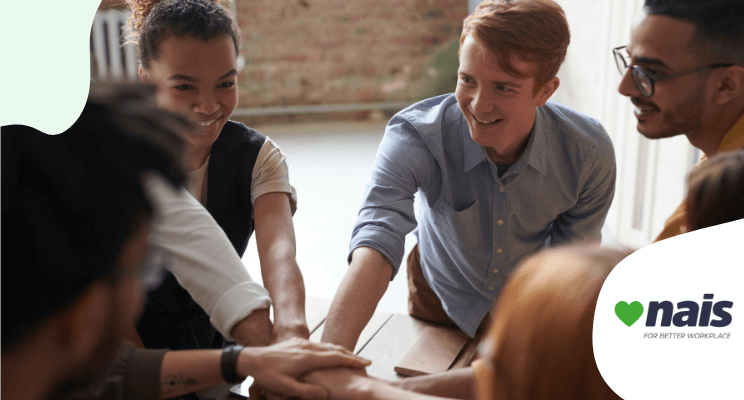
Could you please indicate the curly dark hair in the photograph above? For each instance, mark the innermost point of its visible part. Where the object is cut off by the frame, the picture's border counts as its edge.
(152, 21)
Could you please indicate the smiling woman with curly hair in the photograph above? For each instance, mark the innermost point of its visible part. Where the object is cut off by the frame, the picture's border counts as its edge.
(189, 50)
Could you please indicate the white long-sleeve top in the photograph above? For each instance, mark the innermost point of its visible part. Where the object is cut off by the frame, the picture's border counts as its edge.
(202, 258)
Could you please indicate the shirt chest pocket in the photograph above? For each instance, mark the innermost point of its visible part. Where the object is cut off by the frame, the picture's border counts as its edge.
(460, 227)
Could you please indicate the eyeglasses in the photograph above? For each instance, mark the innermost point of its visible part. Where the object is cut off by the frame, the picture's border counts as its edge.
(644, 81)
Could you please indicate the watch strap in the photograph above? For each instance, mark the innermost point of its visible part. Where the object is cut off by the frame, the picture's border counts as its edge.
(229, 363)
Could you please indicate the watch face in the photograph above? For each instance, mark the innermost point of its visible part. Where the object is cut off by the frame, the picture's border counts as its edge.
(241, 389)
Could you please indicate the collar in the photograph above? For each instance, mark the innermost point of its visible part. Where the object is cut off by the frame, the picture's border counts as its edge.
(734, 139)
(534, 155)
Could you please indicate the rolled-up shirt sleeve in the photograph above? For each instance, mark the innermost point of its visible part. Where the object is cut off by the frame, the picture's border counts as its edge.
(202, 258)
(271, 174)
(584, 221)
(403, 165)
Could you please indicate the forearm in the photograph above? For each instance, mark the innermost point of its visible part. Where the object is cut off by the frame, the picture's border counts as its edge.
(356, 299)
(275, 240)
(458, 384)
(283, 280)
(187, 371)
(254, 330)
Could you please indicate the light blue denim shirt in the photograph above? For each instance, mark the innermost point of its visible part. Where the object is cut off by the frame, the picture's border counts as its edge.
(474, 227)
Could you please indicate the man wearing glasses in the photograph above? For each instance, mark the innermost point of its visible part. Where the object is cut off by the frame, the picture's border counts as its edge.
(683, 69)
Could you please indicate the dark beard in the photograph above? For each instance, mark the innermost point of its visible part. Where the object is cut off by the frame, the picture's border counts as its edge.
(684, 118)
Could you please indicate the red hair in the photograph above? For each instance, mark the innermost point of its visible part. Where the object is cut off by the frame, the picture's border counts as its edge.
(542, 331)
(535, 31)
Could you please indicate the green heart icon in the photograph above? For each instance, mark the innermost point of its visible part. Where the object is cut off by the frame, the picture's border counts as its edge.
(629, 313)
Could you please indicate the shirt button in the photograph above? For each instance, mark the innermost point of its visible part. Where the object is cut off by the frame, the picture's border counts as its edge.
(499, 251)
(490, 288)
(501, 189)
(501, 222)
(495, 271)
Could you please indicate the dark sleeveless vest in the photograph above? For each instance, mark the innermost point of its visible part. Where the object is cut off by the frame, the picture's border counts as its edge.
(172, 319)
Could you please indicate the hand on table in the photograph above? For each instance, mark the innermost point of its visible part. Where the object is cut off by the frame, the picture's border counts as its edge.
(277, 368)
(254, 330)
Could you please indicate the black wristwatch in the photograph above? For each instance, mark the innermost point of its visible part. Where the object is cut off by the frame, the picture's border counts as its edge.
(229, 363)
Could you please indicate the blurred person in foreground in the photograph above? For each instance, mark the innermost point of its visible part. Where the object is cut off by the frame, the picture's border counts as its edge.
(683, 69)
(75, 222)
(76, 215)
(500, 172)
(540, 344)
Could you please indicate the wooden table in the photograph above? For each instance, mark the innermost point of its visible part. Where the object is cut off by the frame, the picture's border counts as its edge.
(385, 340)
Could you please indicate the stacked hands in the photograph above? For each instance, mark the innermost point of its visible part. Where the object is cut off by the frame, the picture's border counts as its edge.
(343, 383)
(303, 369)
(288, 366)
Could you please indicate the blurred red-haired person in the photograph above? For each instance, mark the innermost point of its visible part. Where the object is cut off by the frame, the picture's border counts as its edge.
(715, 191)
(501, 172)
(540, 345)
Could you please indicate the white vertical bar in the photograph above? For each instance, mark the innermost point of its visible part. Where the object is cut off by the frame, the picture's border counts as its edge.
(639, 160)
(674, 159)
(99, 47)
(639, 197)
(130, 56)
(653, 190)
(694, 156)
(114, 33)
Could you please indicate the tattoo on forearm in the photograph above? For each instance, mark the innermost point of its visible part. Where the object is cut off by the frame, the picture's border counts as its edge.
(177, 382)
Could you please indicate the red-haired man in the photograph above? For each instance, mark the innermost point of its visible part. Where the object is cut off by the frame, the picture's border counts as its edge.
(500, 172)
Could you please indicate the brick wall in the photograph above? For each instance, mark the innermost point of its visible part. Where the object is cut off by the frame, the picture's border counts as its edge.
(302, 52)
(112, 4)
